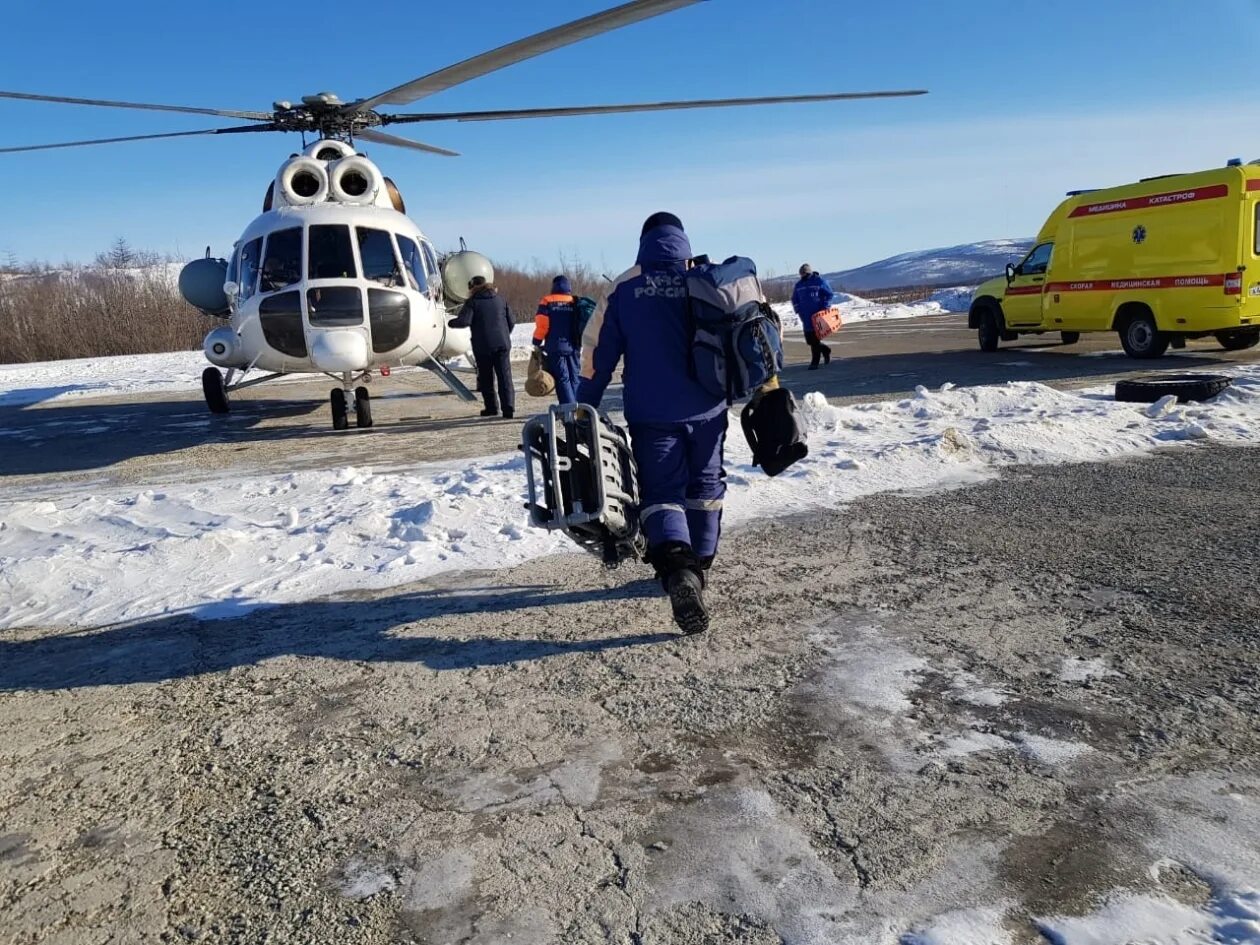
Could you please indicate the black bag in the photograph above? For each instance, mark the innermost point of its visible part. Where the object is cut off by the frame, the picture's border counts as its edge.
(774, 431)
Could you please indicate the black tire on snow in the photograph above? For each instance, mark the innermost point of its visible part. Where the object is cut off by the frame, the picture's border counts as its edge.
(1070, 337)
(340, 417)
(1141, 338)
(990, 331)
(1185, 387)
(362, 408)
(215, 392)
(1239, 339)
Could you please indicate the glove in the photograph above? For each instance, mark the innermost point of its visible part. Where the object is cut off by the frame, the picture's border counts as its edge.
(453, 323)
(538, 343)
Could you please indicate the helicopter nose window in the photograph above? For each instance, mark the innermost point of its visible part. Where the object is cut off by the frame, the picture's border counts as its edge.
(414, 264)
(282, 263)
(334, 305)
(330, 254)
(376, 249)
(249, 267)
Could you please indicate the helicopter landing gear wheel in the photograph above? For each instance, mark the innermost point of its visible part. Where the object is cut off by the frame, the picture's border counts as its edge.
(216, 393)
(362, 408)
(339, 411)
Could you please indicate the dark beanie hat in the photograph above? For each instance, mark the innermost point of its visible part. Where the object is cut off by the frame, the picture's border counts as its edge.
(560, 285)
(476, 282)
(660, 218)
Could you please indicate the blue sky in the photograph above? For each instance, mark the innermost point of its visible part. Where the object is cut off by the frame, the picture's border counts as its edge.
(1028, 100)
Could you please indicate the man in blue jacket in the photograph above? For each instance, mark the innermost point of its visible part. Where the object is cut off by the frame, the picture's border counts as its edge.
(488, 315)
(811, 296)
(556, 332)
(677, 428)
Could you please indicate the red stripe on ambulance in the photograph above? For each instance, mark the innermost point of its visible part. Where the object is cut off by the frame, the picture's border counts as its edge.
(1173, 198)
(1232, 283)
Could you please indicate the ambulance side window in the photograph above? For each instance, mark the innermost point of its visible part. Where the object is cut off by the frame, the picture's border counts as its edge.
(1038, 261)
(1257, 246)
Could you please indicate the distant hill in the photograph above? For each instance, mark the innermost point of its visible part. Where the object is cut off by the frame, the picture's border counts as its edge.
(968, 264)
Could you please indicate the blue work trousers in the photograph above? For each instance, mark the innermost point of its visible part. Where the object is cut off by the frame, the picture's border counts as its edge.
(682, 481)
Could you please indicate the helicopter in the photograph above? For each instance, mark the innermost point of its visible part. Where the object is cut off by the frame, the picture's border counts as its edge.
(333, 278)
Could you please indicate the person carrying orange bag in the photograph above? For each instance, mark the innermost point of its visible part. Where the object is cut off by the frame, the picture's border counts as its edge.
(811, 297)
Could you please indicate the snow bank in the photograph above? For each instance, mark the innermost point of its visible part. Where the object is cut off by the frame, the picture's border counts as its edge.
(215, 548)
(22, 384)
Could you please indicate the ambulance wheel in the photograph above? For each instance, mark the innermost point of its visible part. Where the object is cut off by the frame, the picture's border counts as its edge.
(1070, 337)
(1185, 387)
(990, 332)
(1239, 340)
(362, 407)
(1141, 339)
(339, 413)
(216, 393)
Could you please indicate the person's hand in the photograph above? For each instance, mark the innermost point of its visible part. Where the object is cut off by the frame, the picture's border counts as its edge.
(453, 323)
(538, 343)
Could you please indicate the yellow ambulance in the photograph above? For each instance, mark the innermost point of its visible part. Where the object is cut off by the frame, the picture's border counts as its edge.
(1159, 261)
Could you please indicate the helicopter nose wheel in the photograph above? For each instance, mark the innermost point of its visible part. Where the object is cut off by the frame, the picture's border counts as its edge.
(362, 408)
(339, 411)
(213, 387)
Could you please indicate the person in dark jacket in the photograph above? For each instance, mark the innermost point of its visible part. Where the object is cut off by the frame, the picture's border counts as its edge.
(677, 428)
(491, 321)
(556, 332)
(812, 295)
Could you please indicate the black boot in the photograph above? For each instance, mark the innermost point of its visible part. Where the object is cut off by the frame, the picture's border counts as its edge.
(686, 597)
(826, 353)
(683, 580)
(490, 412)
(815, 352)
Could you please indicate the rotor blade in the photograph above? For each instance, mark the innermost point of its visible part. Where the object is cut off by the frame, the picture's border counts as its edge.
(221, 112)
(172, 134)
(519, 51)
(380, 137)
(511, 113)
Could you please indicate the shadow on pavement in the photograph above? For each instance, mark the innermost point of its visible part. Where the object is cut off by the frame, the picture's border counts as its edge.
(88, 435)
(181, 646)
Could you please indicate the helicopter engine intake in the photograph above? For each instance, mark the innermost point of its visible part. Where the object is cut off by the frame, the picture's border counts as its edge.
(354, 180)
(303, 182)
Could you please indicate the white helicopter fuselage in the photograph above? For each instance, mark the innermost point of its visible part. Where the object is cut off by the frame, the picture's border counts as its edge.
(330, 288)
(331, 278)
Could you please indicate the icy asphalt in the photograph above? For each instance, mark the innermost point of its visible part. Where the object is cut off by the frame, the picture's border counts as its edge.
(964, 717)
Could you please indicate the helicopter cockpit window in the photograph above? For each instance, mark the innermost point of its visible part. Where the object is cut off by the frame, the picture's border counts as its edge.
(430, 258)
(250, 254)
(282, 263)
(330, 254)
(376, 250)
(414, 264)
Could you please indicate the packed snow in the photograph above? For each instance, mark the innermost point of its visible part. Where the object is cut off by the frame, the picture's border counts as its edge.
(214, 548)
